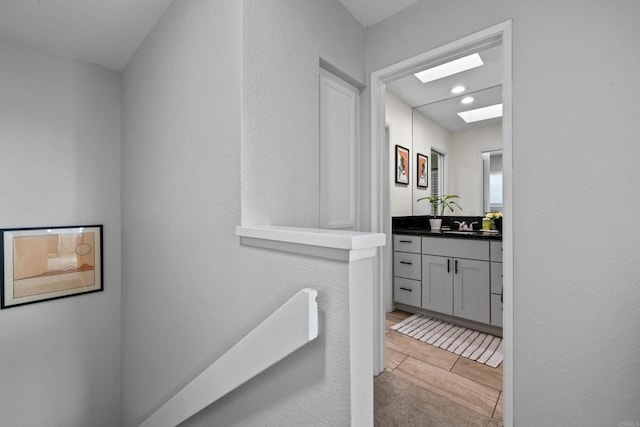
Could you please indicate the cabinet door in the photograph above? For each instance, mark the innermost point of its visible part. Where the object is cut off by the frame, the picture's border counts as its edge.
(496, 310)
(437, 284)
(496, 277)
(471, 290)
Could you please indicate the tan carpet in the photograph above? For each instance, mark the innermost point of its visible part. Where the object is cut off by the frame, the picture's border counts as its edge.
(401, 403)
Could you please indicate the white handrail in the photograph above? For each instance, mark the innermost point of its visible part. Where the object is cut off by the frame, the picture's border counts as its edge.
(290, 327)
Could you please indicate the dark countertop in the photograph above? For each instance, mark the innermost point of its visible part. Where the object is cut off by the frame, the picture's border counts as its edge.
(454, 234)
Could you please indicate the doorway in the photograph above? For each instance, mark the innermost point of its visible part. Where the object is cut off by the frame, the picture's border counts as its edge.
(380, 204)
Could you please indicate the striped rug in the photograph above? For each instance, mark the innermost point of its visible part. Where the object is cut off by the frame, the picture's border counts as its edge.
(474, 345)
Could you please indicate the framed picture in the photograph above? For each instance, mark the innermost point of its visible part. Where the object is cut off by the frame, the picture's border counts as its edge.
(40, 264)
(402, 165)
(422, 169)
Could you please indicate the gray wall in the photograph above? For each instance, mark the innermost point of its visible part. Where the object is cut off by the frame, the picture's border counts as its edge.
(60, 165)
(190, 291)
(575, 151)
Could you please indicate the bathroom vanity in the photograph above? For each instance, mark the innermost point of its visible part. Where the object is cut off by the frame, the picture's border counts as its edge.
(452, 273)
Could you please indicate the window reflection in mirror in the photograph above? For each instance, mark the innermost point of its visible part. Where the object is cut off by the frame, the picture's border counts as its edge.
(492, 180)
(437, 173)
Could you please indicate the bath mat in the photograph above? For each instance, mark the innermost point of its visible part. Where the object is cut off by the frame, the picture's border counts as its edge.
(474, 345)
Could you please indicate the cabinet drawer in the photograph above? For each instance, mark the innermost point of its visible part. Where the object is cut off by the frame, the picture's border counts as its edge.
(496, 277)
(407, 265)
(496, 251)
(456, 248)
(496, 310)
(407, 291)
(406, 243)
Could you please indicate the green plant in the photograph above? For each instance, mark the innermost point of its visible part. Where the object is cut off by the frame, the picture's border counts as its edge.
(445, 201)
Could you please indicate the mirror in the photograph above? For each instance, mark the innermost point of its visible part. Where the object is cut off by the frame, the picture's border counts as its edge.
(462, 158)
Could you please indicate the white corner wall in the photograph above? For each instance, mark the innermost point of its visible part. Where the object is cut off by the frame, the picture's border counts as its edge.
(398, 117)
(191, 291)
(282, 44)
(60, 165)
(575, 132)
(419, 134)
(427, 135)
(465, 164)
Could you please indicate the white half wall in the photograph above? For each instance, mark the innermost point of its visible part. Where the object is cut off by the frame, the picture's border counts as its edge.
(575, 132)
(60, 165)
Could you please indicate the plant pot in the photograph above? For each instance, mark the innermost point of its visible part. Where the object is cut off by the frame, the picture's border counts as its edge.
(435, 223)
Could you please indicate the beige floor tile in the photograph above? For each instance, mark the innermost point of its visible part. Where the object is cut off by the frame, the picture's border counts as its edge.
(398, 315)
(393, 358)
(397, 341)
(459, 389)
(388, 324)
(427, 353)
(499, 411)
(479, 372)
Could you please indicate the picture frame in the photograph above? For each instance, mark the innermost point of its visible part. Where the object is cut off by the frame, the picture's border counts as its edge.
(46, 263)
(402, 165)
(422, 170)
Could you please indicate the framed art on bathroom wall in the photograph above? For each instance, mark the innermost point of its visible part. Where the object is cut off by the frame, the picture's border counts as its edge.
(402, 165)
(40, 264)
(422, 170)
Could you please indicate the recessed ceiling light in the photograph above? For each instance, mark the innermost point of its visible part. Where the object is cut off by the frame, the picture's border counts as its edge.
(484, 113)
(456, 66)
(458, 89)
(467, 100)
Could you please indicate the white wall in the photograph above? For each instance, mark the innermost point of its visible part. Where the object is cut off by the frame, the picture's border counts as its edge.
(575, 133)
(282, 43)
(465, 164)
(190, 290)
(427, 135)
(60, 165)
(398, 116)
(419, 134)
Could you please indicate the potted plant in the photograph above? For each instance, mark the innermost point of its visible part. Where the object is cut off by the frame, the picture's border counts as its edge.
(444, 201)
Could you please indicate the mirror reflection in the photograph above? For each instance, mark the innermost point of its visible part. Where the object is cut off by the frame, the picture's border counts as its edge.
(464, 154)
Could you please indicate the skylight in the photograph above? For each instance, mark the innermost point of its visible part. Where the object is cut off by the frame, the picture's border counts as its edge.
(454, 67)
(484, 113)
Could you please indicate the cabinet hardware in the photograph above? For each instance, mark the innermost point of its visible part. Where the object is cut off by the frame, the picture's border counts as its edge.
(406, 289)
(406, 241)
(406, 262)
(448, 265)
(456, 264)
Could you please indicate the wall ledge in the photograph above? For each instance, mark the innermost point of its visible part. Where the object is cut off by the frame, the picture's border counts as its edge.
(338, 245)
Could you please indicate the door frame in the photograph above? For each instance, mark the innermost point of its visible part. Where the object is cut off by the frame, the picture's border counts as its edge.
(380, 199)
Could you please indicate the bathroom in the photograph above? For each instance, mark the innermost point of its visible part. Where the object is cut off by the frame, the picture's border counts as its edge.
(433, 151)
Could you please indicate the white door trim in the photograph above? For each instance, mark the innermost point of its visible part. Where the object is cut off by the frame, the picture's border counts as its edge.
(379, 178)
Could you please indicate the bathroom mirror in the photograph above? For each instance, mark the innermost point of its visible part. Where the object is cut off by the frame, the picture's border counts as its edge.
(459, 153)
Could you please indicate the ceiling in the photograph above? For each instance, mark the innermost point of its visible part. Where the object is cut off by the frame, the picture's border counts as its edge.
(108, 32)
(369, 12)
(434, 99)
(103, 32)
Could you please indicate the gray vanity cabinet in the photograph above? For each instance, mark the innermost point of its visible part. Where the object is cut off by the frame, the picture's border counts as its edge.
(456, 277)
(471, 298)
(496, 283)
(437, 279)
(407, 271)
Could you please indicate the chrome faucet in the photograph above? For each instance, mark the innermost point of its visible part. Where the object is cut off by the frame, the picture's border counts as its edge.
(463, 226)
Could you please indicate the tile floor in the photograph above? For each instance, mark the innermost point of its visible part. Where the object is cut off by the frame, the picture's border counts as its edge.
(463, 381)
